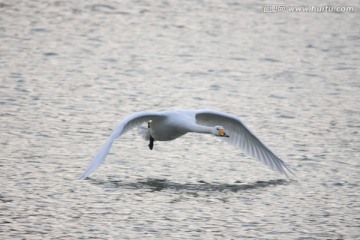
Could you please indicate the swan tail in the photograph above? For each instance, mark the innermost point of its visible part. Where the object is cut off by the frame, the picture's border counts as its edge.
(144, 132)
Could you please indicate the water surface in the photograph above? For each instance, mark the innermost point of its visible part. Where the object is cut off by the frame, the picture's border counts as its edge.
(71, 71)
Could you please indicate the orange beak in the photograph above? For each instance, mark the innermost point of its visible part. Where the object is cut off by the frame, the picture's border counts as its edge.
(221, 132)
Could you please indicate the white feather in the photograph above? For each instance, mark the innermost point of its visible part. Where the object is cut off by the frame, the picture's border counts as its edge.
(242, 137)
(126, 125)
(169, 125)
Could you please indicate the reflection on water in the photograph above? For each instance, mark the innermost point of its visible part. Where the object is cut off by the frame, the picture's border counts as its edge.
(163, 184)
(71, 70)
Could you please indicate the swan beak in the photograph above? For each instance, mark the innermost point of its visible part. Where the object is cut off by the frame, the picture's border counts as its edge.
(222, 133)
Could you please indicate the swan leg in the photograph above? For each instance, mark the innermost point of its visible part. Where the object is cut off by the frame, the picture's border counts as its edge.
(151, 144)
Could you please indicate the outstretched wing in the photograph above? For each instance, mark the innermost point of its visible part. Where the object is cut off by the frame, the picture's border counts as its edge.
(127, 124)
(242, 137)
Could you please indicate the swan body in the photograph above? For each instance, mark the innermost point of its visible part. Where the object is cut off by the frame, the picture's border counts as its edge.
(169, 125)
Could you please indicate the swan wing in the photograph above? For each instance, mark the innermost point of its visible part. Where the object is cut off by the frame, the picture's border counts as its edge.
(242, 137)
(126, 125)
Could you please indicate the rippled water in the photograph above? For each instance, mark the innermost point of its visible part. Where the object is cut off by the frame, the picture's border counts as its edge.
(70, 71)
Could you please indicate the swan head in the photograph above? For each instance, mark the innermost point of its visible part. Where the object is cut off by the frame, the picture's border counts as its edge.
(219, 131)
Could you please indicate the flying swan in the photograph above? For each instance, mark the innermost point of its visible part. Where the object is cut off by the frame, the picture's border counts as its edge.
(169, 125)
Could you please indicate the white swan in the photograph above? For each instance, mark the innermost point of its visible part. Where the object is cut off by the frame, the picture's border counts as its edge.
(169, 125)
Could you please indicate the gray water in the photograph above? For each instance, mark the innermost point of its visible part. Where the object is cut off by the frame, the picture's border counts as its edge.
(71, 70)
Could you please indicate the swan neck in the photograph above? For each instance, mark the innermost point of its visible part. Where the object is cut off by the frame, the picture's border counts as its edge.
(201, 129)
